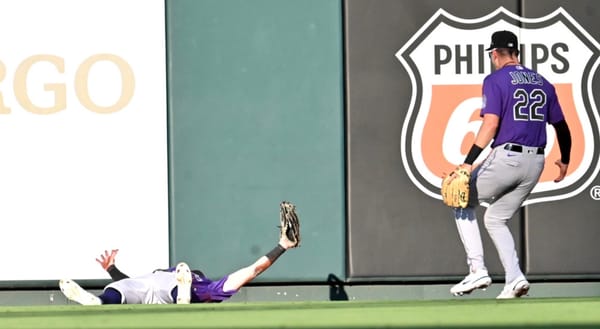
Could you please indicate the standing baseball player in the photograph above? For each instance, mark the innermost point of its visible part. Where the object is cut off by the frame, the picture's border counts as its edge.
(518, 103)
(179, 285)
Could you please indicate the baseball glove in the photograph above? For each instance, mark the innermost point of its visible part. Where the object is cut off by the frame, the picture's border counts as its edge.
(289, 222)
(455, 188)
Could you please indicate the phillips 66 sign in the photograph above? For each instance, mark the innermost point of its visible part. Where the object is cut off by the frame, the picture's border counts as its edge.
(447, 62)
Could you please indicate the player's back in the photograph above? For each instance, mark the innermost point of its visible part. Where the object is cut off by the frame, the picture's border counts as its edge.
(522, 98)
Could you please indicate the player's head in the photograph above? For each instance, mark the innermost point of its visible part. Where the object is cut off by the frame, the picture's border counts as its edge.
(504, 41)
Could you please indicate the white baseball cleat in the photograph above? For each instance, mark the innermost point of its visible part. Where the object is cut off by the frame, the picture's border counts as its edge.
(515, 289)
(476, 280)
(74, 292)
(184, 283)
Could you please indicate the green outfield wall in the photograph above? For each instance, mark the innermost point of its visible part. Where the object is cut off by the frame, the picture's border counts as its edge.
(256, 116)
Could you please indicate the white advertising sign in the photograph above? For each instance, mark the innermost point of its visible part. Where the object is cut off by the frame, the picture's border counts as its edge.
(83, 137)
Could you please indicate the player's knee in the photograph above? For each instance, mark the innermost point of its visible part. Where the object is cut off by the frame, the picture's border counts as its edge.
(493, 222)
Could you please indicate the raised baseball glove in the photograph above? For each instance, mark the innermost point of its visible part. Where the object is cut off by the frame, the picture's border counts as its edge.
(289, 222)
(455, 188)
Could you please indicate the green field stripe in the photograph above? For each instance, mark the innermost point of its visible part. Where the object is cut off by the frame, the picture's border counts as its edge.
(524, 313)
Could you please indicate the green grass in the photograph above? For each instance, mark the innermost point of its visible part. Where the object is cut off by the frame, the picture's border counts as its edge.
(570, 313)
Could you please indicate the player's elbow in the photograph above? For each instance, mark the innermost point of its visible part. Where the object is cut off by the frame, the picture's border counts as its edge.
(490, 124)
(257, 270)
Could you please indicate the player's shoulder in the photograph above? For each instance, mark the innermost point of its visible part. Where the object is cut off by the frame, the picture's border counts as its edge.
(494, 77)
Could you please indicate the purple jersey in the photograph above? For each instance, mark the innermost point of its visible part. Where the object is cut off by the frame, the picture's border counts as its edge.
(524, 101)
(205, 290)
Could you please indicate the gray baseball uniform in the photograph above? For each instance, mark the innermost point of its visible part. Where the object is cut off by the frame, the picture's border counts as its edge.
(525, 103)
(159, 286)
(518, 104)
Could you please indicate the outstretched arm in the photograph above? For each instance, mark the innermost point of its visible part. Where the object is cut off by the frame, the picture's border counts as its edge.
(239, 278)
(107, 261)
(289, 238)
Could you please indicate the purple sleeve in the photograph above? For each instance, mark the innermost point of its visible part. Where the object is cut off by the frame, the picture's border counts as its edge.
(205, 290)
(491, 98)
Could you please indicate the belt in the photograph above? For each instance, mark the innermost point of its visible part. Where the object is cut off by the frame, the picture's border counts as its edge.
(519, 149)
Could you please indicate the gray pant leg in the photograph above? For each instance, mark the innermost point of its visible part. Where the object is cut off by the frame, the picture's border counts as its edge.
(495, 221)
(504, 181)
(152, 288)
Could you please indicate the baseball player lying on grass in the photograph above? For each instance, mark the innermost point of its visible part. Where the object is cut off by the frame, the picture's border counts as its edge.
(179, 285)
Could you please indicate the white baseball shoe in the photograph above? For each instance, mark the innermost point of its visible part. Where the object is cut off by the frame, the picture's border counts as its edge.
(74, 292)
(476, 280)
(519, 287)
(184, 283)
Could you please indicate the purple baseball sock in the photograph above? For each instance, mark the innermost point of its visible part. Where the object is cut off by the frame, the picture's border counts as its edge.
(110, 296)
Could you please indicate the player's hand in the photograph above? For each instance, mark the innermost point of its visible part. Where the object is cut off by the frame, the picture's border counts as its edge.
(107, 259)
(562, 170)
(467, 167)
